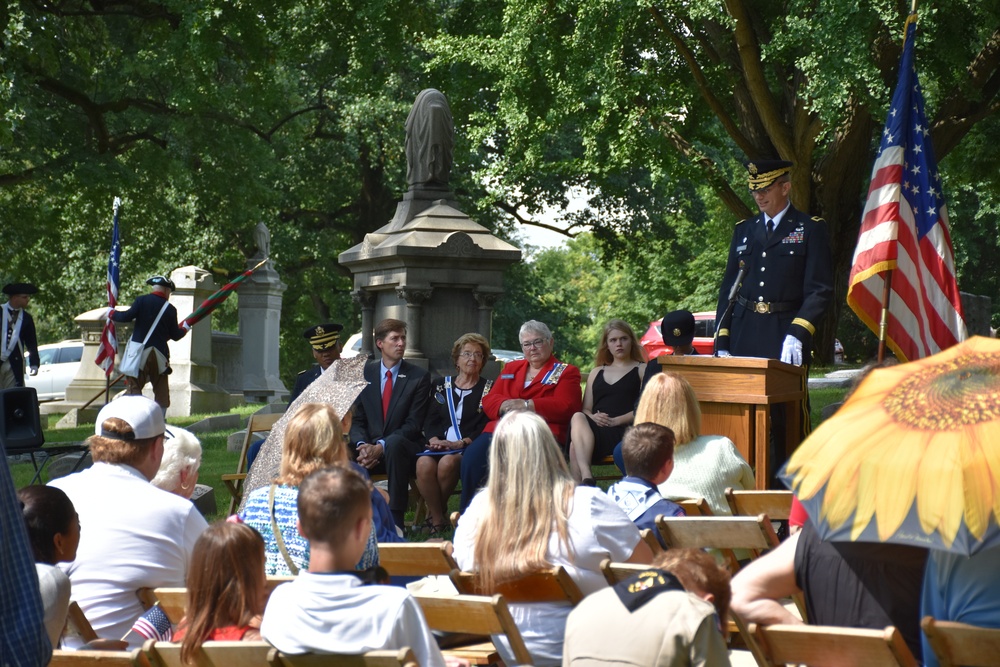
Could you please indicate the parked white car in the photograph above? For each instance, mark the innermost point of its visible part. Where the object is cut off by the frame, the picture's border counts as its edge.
(57, 366)
(352, 347)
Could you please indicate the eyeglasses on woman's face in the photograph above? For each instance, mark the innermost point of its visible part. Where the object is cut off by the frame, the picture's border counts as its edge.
(471, 355)
(538, 342)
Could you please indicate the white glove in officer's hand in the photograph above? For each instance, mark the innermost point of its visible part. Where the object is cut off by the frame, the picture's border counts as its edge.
(32, 372)
(791, 351)
(723, 354)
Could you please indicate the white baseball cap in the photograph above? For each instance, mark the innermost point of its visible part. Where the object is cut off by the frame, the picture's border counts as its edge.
(143, 415)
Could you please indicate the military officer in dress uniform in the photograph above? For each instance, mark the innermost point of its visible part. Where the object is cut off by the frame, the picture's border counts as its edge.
(325, 342)
(17, 331)
(781, 259)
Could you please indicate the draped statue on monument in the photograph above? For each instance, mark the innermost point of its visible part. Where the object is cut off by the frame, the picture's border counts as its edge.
(430, 142)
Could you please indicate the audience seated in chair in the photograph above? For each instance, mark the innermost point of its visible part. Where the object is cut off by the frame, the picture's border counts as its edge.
(226, 588)
(648, 450)
(313, 440)
(530, 517)
(54, 533)
(134, 534)
(673, 613)
(178, 471)
(962, 589)
(846, 584)
(328, 610)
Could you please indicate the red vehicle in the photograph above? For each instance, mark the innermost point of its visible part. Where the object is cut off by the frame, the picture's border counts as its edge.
(704, 332)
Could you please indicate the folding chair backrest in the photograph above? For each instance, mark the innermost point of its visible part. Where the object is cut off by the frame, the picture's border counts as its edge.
(554, 585)
(616, 572)
(827, 646)
(402, 658)
(718, 532)
(173, 602)
(79, 623)
(83, 658)
(416, 559)
(212, 654)
(474, 615)
(695, 507)
(962, 644)
(649, 538)
(777, 505)
(234, 482)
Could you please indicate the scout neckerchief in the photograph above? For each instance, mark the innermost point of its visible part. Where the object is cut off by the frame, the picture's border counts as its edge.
(9, 345)
(640, 588)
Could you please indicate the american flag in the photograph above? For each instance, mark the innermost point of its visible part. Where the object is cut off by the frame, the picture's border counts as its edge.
(109, 341)
(154, 624)
(904, 229)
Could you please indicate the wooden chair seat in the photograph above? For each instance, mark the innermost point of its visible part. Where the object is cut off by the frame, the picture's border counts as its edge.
(962, 644)
(695, 507)
(827, 646)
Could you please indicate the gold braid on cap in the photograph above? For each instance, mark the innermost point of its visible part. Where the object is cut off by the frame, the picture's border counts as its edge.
(324, 340)
(760, 181)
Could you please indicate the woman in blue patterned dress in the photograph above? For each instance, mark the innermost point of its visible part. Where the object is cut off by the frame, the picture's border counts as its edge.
(314, 439)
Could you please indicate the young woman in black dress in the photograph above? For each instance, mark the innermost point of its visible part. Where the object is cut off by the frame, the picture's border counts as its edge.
(612, 390)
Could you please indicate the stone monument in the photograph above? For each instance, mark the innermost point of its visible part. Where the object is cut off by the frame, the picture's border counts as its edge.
(193, 388)
(431, 266)
(260, 298)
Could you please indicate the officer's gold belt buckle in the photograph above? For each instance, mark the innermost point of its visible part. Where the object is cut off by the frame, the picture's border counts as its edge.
(762, 308)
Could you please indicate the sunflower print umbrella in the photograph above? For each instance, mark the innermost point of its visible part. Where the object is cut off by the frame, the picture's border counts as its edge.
(912, 457)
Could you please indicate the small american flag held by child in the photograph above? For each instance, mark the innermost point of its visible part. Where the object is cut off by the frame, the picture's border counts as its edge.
(154, 624)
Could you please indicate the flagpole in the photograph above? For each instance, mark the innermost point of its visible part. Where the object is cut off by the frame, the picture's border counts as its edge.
(884, 321)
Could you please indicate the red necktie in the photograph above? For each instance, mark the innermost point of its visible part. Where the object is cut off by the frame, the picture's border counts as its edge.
(386, 394)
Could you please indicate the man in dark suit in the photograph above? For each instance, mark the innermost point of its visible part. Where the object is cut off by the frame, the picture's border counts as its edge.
(155, 365)
(389, 414)
(16, 331)
(783, 256)
(325, 342)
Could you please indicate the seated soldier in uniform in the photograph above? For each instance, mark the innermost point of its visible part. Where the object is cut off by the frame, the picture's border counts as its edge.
(325, 342)
(648, 450)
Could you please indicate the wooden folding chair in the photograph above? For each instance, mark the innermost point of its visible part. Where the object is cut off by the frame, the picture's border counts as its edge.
(174, 601)
(962, 644)
(234, 481)
(416, 559)
(211, 654)
(828, 646)
(78, 622)
(695, 507)
(86, 658)
(649, 537)
(552, 585)
(725, 533)
(474, 615)
(402, 658)
(777, 505)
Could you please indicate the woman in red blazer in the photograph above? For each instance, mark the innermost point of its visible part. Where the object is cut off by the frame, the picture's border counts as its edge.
(539, 383)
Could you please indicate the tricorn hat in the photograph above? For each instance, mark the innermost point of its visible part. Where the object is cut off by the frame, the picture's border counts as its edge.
(677, 328)
(761, 173)
(323, 336)
(11, 289)
(160, 281)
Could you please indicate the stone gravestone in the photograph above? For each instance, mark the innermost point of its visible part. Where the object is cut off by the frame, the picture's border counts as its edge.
(431, 266)
(260, 298)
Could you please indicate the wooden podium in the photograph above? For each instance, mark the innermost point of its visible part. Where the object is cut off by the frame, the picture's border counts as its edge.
(735, 394)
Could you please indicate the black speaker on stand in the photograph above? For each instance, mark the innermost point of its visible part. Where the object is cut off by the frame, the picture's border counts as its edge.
(20, 422)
